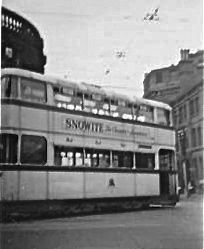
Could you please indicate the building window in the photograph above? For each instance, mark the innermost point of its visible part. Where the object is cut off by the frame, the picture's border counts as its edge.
(193, 137)
(180, 114)
(174, 75)
(182, 141)
(194, 170)
(199, 133)
(191, 108)
(187, 138)
(194, 107)
(184, 112)
(201, 167)
(159, 77)
(197, 105)
(175, 117)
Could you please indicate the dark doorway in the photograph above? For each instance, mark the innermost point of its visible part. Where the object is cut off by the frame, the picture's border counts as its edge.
(164, 183)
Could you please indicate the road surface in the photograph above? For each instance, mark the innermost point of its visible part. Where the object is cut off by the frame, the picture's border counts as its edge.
(166, 228)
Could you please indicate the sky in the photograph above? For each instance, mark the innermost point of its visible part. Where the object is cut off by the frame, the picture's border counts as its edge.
(82, 37)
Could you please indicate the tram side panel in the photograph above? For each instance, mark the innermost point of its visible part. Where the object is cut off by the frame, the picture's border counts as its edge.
(34, 185)
(23, 118)
(147, 184)
(66, 185)
(10, 117)
(121, 185)
(34, 119)
(165, 137)
(10, 185)
(99, 185)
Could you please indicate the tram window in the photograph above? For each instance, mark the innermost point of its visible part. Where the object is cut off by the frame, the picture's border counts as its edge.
(104, 159)
(130, 106)
(79, 158)
(166, 159)
(163, 116)
(33, 149)
(115, 160)
(145, 160)
(114, 108)
(135, 111)
(113, 105)
(56, 89)
(9, 87)
(33, 90)
(87, 160)
(122, 103)
(127, 111)
(145, 114)
(78, 101)
(57, 156)
(8, 148)
(67, 91)
(91, 158)
(122, 159)
(105, 107)
(70, 106)
(127, 116)
(98, 104)
(79, 95)
(101, 112)
(62, 98)
(66, 159)
(66, 156)
(78, 107)
(97, 97)
(94, 110)
(63, 157)
(89, 104)
(127, 159)
(70, 158)
(97, 158)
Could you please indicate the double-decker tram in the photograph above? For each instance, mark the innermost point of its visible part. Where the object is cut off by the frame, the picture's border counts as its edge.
(68, 148)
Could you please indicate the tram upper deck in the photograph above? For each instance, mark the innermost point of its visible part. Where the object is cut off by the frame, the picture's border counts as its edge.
(81, 121)
(33, 87)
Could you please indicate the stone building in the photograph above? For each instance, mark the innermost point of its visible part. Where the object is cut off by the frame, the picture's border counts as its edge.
(181, 86)
(188, 121)
(168, 83)
(21, 44)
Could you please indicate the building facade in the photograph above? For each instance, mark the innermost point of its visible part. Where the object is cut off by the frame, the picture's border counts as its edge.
(21, 44)
(188, 121)
(167, 84)
(181, 86)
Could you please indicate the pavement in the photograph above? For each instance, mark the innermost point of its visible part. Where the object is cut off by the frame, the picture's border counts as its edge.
(179, 227)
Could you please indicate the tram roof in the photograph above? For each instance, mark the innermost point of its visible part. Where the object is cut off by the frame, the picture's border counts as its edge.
(82, 86)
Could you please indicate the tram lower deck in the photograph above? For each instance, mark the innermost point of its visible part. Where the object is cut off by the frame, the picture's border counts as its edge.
(34, 192)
